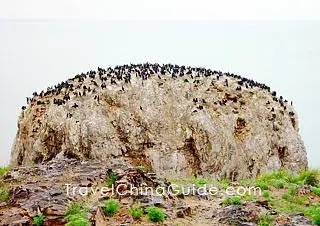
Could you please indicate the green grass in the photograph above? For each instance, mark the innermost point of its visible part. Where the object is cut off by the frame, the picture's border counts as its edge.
(38, 220)
(310, 177)
(184, 182)
(300, 200)
(291, 203)
(136, 211)
(4, 195)
(316, 191)
(313, 212)
(248, 182)
(200, 182)
(142, 168)
(77, 214)
(292, 190)
(78, 222)
(155, 214)
(284, 201)
(262, 185)
(279, 183)
(111, 207)
(111, 180)
(283, 179)
(274, 175)
(4, 170)
(292, 197)
(249, 197)
(224, 183)
(274, 179)
(266, 220)
(236, 200)
(285, 206)
(75, 208)
(266, 195)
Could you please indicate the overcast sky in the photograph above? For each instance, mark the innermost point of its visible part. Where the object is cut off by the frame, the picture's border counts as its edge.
(161, 9)
(41, 48)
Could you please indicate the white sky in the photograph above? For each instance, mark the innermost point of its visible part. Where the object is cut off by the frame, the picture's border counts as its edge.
(161, 9)
(46, 43)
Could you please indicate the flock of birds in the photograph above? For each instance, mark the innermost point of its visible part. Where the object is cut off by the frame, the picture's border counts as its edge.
(99, 80)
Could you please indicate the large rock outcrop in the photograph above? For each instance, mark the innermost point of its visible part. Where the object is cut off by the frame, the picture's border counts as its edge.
(179, 122)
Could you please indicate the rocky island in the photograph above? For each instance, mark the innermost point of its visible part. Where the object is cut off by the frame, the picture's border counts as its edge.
(152, 125)
(174, 120)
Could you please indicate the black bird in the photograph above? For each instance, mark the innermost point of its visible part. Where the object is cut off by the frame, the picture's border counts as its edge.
(291, 113)
(113, 82)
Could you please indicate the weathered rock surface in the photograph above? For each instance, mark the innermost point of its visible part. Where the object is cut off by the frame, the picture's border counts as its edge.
(42, 189)
(176, 125)
(293, 219)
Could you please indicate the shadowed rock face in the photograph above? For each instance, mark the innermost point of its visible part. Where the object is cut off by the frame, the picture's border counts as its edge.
(191, 124)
